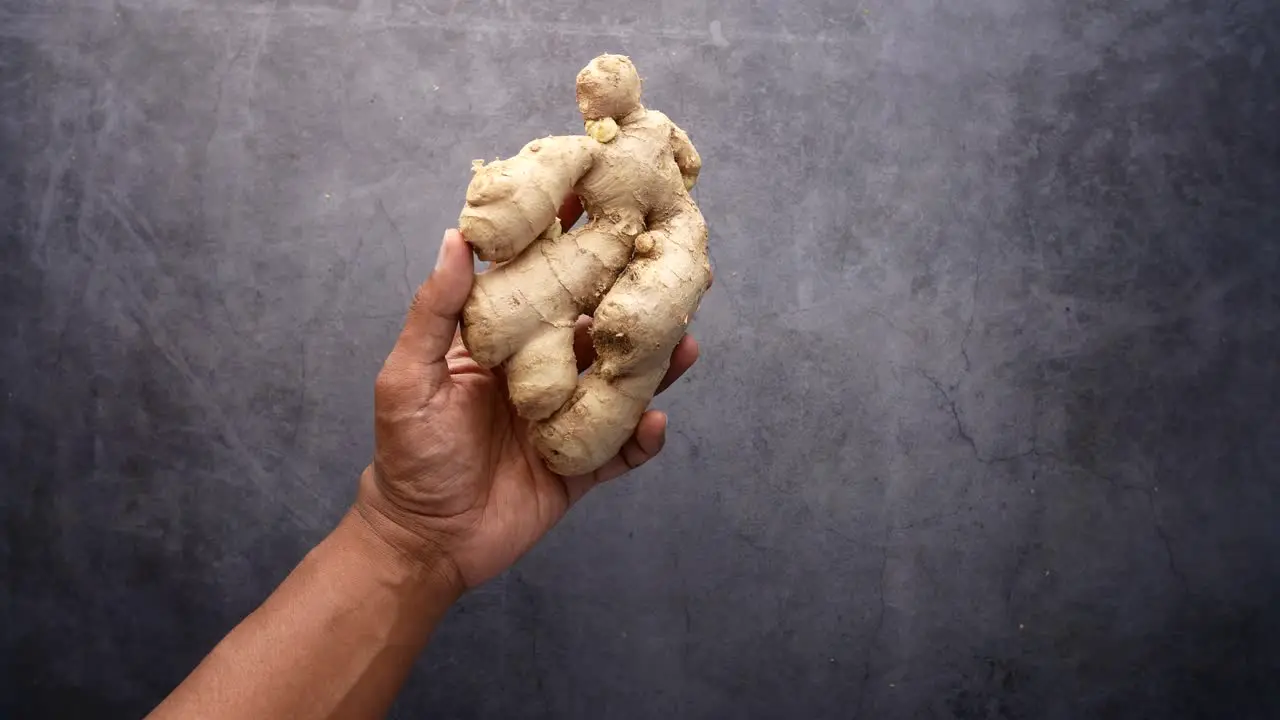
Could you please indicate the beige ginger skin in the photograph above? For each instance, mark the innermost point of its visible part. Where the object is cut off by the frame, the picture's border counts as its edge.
(639, 266)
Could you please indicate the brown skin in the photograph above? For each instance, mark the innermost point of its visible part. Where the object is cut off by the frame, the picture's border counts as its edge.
(455, 495)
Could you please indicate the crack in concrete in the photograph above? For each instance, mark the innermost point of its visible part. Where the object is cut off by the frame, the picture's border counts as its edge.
(877, 628)
(964, 435)
(404, 247)
(1157, 524)
(1172, 561)
(973, 313)
(302, 391)
(1175, 569)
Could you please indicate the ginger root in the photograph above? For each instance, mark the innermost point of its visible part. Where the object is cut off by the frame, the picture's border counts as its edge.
(639, 266)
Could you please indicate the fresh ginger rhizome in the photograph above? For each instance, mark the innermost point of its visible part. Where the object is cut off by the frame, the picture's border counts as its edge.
(639, 266)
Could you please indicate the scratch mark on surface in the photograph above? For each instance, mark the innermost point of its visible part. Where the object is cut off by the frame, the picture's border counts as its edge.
(875, 312)
(141, 314)
(973, 313)
(340, 84)
(214, 123)
(90, 250)
(56, 172)
(686, 640)
(263, 33)
(302, 389)
(534, 602)
(404, 248)
(322, 311)
(930, 519)
(140, 230)
(154, 330)
(751, 542)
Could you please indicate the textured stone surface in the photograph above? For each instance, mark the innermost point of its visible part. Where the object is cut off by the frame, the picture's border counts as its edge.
(986, 425)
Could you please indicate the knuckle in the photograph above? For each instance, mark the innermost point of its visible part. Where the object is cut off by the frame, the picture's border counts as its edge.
(633, 456)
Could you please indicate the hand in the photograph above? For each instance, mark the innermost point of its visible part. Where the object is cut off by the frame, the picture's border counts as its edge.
(454, 479)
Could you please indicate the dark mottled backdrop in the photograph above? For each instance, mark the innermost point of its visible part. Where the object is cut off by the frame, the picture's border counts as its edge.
(986, 425)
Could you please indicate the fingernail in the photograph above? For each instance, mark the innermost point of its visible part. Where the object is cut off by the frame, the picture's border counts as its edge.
(444, 245)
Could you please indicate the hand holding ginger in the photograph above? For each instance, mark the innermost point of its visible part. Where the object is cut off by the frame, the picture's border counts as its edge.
(639, 266)
(454, 474)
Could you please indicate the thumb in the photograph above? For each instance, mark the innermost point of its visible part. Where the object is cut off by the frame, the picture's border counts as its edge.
(433, 316)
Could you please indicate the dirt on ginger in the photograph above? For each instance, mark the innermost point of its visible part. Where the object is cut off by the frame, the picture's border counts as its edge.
(639, 266)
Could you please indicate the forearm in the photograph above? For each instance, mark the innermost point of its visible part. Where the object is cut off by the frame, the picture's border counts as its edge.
(335, 640)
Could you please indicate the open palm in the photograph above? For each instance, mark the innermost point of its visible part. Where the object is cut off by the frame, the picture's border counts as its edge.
(453, 469)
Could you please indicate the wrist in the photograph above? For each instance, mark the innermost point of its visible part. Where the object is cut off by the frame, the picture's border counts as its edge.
(389, 538)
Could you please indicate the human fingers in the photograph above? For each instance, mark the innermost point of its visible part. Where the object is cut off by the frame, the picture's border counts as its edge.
(432, 321)
(644, 445)
(682, 358)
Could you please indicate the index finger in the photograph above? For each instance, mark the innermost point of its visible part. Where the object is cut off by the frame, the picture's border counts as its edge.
(682, 358)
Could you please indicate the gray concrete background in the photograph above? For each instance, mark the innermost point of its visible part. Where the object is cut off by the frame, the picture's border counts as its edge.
(985, 425)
